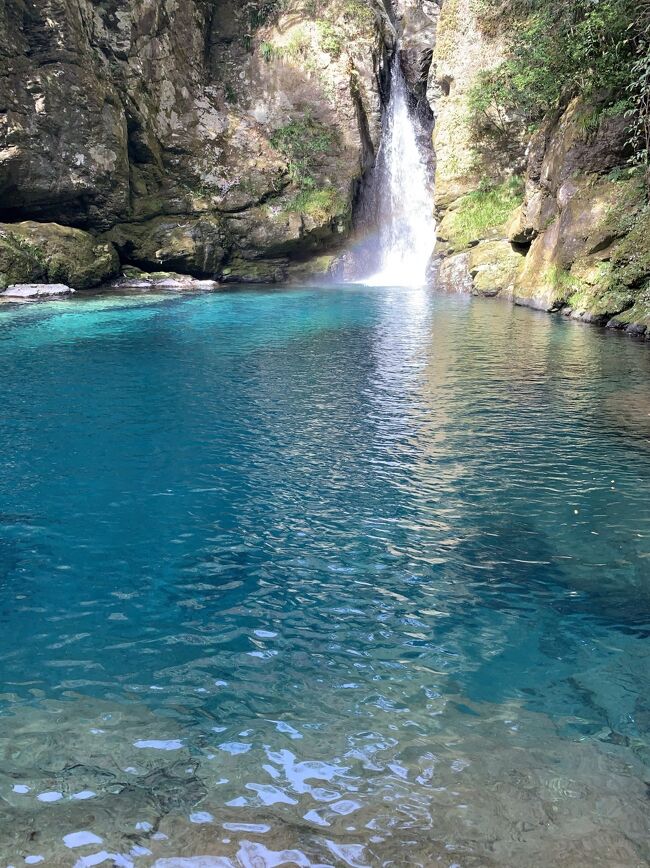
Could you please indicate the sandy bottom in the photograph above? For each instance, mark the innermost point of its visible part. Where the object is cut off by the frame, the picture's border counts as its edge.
(83, 783)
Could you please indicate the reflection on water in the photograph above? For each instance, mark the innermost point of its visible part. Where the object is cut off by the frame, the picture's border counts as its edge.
(337, 577)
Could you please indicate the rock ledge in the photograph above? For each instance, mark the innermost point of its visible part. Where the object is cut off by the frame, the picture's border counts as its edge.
(36, 290)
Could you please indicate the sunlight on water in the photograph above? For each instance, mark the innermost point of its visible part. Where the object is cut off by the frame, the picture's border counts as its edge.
(345, 576)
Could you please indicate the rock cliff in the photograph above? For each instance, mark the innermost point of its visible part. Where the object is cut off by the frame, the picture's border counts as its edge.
(214, 137)
(558, 221)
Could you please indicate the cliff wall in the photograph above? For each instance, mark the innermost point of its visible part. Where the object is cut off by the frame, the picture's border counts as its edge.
(215, 137)
(557, 221)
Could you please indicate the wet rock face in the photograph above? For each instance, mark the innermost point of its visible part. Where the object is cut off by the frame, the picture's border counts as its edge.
(418, 22)
(63, 135)
(576, 240)
(126, 116)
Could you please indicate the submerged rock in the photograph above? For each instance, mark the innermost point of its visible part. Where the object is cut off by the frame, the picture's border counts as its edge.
(37, 290)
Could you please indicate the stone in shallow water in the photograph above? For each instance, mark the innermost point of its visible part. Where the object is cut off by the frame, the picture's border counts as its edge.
(133, 279)
(36, 290)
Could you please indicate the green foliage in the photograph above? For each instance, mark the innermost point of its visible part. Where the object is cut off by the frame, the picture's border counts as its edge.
(268, 51)
(301, 142)
(330, 38)
(299, 45)
(358, 12)
(563, 282)
(322, 204)
(638, 92)
(230, 94)
(483, 210)
(260, 12)
(557, 50)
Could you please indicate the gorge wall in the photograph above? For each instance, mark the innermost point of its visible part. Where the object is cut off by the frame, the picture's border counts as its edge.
(218, 138)
(558, 221)
(232, 140)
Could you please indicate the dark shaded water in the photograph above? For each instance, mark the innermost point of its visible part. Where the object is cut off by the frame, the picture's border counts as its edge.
(347, 576)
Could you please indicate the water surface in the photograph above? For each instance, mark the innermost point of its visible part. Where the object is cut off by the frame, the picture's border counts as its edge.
(348, 576)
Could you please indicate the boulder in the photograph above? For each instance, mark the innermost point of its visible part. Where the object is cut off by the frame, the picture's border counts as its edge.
(133, 278)
(194, 245)
(494, 267)
(48, 252)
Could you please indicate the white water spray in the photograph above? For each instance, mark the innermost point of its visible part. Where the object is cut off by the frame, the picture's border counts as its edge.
(404, 196)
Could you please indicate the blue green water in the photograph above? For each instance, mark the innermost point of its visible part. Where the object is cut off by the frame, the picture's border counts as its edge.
(325, 576)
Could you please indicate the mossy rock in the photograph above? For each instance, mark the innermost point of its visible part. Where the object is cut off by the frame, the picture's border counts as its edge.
(494, 267)
(190, 245)
(314, 269)
(480, 215)
(631, 256)
(241, 270)
(635, 319)
(34, 252)
(20, 262)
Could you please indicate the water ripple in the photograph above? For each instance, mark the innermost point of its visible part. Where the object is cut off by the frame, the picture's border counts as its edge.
(322, 577)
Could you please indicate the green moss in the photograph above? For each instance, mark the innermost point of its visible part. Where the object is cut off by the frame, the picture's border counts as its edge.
(31, 251)
(639, 312)
(448, 30)
(321, 205)
(599, 302)
(631, 256)
(20, 261)
(562, 281)
(483, 211)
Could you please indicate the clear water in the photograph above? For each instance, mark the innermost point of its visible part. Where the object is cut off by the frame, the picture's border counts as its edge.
(322, 577)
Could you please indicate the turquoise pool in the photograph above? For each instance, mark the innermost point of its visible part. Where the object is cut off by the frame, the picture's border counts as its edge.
(341, 576)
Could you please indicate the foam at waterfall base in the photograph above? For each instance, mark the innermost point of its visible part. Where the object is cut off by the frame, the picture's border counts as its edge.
(403, 196)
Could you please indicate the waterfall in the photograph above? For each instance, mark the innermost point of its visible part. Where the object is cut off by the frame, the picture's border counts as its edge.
(402, 195)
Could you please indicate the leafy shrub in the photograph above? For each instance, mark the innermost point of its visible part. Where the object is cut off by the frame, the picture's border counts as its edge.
(331, 39)
(638, 92)
(301, 142)
(557, 50)
(260, 12)
(268, 51)
(299, 45)
(358, 12)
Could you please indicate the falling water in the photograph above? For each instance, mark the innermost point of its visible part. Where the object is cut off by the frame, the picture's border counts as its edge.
(403, 196)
